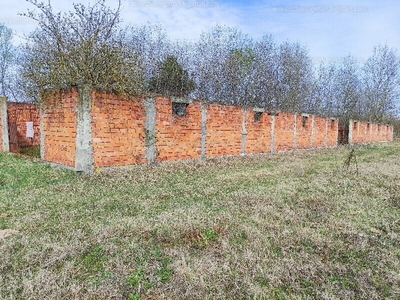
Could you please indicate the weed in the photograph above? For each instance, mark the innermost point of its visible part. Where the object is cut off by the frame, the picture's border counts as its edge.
(284, 226)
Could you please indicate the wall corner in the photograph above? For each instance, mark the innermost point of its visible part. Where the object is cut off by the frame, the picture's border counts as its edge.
(84, 160)
(4, 125)
(150, 130)
(203, 155)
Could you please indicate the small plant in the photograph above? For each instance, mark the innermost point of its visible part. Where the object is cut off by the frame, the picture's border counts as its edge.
(148, 137)
(136, 277)
(210, 235)
(134, 297)
(33, 151)
(350, 159)
(93, 261)
(165, 271)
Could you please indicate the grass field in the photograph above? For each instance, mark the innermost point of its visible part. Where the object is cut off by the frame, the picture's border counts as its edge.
(296, 225)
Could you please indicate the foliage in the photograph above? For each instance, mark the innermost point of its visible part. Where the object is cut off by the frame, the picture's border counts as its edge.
(89, 46)
(171, 80)
(7, 54)
(83, 47)
(381, 80)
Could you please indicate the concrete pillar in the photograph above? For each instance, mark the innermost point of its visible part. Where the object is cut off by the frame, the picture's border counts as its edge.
(351, 132)
(42, 133)
(150, 130)
(84, 150)
(365, 133)
(244, 132)
(326, 132)
(272, 132)
(295, 132)
(203, 131)
(337, 132)
(312, 132)
(391, 133)
(4, 125)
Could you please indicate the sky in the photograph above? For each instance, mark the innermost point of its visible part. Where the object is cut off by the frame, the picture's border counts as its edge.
(330, 30)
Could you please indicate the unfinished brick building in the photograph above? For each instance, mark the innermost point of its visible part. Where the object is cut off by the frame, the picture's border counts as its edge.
(114, 131)
(19, 125)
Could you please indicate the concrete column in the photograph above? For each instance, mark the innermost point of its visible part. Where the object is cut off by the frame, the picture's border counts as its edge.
(203, 131)
(366, 133)
(150, 130)
(272, 132)
(42, 133)
(391, 133)
(351, 132)
(244, 132)
(337, 132)
(326, 132)
(295, 132)
(4, 125)
(84, 150)
(312, 132)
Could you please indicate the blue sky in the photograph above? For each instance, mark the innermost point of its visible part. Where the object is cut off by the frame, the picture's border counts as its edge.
(329, 29)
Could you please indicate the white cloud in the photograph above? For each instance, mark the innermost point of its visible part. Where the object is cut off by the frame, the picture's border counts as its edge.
(331, 32)
(182, 22)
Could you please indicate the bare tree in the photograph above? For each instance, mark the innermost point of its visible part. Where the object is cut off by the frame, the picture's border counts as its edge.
(381, 79)
(85, 47)
(239, 72)
(7, 54)
(324, 92)
(295, 75)
(212, 52)
(151, 44)
(266, 84)
(348, 90)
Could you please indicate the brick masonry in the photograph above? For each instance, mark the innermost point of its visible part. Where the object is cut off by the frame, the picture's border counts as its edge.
(364, 132)
(177, 137)
(224, 130)
(126, 131)
(258, 139)
(118, 130)
(19, 113)
(284, 131)
(58, 117)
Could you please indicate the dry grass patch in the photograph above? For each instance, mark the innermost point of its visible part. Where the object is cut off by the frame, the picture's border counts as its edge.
(295, 225)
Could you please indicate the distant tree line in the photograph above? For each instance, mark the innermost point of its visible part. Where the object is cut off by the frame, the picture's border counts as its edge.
(90, 47)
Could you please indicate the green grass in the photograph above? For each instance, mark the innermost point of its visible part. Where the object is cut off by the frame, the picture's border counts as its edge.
(32, 151)
(295, 225)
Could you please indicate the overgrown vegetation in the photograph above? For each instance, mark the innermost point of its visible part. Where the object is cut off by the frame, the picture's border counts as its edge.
(90, 46)
(33, 151)
(295, 225)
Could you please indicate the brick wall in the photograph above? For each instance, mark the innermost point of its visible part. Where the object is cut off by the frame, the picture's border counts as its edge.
(258, 139)
(363, 132)
(332, 134)
(224, 130)
(319, 133)
(122, 128)
(118, 130)
(20, 113)
(177, 137)
(284, 131)
(59, 128)
(304, 130)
